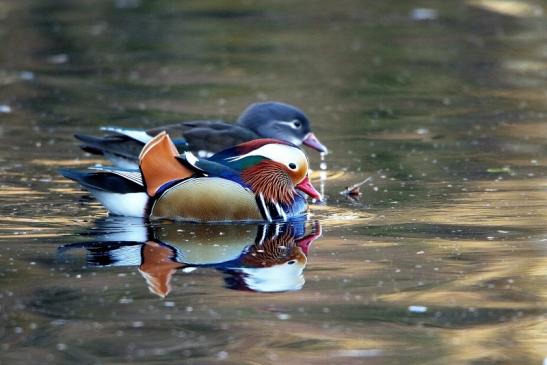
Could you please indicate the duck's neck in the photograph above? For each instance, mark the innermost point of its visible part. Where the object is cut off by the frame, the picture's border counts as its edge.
(267, 178)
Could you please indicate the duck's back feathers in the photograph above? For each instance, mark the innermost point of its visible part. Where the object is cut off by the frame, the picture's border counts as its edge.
(207, 135)
(123, 146)
(214, 136)
(113, 145)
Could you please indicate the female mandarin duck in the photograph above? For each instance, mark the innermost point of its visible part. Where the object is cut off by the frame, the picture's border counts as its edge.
(260, 120)
(260, 180)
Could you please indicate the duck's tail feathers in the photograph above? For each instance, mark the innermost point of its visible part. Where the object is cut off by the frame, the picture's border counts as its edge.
(122, 181)
(120, 192)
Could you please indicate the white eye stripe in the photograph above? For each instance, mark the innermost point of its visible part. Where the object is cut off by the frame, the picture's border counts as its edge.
(293, 123)
(277, 152)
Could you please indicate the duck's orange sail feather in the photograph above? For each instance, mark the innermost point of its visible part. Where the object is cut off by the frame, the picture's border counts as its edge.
(159, 165)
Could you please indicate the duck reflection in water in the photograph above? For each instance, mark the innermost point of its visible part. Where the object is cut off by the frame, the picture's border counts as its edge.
(262, 258)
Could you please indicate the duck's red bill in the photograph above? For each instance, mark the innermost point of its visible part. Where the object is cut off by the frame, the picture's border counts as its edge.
(311, 141)
(306, 186)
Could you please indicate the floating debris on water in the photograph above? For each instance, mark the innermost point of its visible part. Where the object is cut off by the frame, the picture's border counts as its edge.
(499, 170)
(355, 189)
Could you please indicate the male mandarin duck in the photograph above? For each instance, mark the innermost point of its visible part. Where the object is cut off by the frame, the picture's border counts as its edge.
(260, 180)
(260, 120)
(270, 259)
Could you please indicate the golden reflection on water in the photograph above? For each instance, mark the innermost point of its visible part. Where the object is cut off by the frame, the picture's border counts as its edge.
(510, 203)
(530, 130)
(339, 216)
(490, 343)
(510, 7)
(496, 285)
(67, 162)
(15, 191)
(317, 175)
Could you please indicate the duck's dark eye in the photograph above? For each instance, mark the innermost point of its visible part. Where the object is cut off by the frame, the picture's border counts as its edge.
(292, 166)
(297, 123)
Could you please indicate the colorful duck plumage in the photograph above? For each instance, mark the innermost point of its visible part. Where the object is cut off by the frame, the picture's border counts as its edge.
(260, 180)
(260, 120)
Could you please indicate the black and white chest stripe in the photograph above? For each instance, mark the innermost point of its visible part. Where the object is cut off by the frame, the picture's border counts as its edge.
(270, 211)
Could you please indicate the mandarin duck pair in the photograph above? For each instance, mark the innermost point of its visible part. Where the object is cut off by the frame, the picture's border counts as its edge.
(270, 259)
(259, 180)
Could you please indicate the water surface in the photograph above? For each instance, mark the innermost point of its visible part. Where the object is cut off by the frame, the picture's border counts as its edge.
(441, 260)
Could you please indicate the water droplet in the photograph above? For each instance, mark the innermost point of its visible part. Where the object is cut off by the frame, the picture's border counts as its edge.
(58, 59)
(222, 355)
(61, 347)
(417, 309)
(26, 75)
(125, 300)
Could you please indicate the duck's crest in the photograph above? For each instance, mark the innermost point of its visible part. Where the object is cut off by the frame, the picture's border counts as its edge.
(245, 148)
